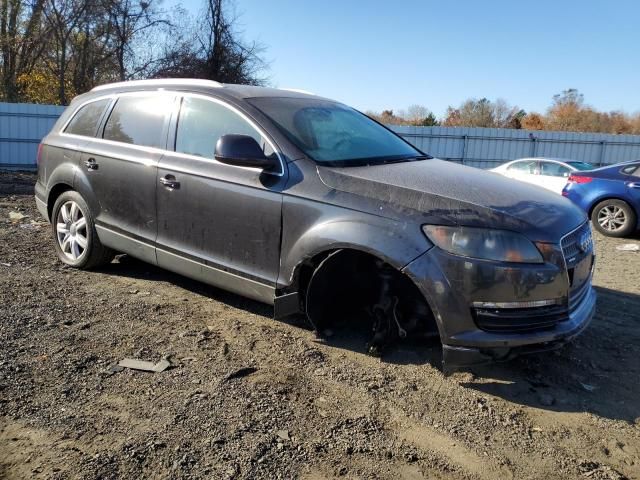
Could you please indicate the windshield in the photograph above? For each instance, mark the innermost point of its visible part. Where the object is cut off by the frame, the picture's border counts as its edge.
(581, 165)
(333, 134)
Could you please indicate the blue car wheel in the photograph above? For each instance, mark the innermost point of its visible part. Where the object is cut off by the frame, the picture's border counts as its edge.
(614, 218)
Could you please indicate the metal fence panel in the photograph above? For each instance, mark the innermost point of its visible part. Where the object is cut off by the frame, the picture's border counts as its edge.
(22, 126)
(489, 147)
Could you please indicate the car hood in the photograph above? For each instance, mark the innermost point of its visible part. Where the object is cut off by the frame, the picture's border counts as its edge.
(440, 192)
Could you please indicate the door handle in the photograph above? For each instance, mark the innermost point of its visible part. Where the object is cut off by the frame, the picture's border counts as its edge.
(170, 182)
(91, 164)
(633, 184)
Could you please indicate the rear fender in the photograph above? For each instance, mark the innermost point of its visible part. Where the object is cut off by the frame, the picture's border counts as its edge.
(83, 187)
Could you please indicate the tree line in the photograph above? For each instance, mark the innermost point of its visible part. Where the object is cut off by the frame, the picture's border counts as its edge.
(567, 112)
(52, 50)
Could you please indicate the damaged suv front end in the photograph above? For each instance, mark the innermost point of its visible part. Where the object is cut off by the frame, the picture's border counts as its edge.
(495, 308)
(504, 267)
(508, 268)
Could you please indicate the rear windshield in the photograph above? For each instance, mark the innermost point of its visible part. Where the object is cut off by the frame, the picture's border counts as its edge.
(333, 134)
(581, 165)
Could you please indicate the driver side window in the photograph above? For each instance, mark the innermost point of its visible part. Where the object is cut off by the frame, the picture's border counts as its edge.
(202, 122)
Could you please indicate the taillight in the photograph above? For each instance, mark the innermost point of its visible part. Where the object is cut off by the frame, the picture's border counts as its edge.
(577, 179)
(39, 154)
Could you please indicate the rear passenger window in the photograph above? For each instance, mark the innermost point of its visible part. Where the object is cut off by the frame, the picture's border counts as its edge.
(553, 169)
(139, 120)
(632, 170)
(202, 122)
(85, 121)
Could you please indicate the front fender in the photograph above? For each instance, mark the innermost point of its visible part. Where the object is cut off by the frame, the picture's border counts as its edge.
(310, 229)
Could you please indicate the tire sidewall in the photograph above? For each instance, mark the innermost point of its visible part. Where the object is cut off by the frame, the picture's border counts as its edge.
(630, 216)
(84, 208)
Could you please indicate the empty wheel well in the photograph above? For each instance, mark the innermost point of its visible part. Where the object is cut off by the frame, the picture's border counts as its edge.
(55, 192)
(343, 287)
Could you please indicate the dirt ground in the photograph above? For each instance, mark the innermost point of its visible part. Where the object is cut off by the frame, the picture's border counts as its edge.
(309, 410)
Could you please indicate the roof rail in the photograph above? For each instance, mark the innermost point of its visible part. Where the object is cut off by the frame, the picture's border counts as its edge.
(192, 82)
(297, 90)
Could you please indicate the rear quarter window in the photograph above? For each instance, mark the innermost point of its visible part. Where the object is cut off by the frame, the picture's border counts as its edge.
(632, 170)
(86, 120)
(139, 120)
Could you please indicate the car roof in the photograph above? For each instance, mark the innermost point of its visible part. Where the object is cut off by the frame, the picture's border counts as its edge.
(202, 86)
(553, 159)
(614, 166)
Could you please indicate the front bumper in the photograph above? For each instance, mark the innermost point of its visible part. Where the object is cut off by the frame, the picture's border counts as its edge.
(452, 284)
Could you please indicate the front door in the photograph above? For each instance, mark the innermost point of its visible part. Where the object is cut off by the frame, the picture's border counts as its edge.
(216, 222)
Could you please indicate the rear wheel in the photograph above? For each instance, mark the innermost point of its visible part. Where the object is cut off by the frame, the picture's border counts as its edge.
(77, 243)
(614, 218)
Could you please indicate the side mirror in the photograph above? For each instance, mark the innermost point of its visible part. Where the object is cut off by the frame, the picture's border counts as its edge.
(243, 151)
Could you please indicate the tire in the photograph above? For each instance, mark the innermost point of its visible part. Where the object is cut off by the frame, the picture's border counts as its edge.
(74, 233)
(614, 218)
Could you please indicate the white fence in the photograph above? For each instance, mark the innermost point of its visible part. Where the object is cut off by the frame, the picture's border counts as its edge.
(23, 125)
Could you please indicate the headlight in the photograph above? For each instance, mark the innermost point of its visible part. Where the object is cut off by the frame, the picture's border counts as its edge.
(488, 244)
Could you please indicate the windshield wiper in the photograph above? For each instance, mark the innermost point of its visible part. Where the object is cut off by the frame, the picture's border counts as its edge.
(403, 159)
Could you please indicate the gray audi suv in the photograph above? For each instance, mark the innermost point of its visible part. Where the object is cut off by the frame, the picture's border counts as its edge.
(304, 203)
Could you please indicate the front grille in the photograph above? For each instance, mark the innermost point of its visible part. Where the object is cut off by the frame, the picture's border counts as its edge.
(576, 244)
(517, 320)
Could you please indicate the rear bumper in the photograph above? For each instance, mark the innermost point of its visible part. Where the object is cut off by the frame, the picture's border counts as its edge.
(41, 202)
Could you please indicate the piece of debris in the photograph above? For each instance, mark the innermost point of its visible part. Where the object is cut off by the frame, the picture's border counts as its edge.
(587, 387)
(241, 372)
(283, 434)
(5, 264)
(30, 226)
(134, 364)
(113, 369)
(629, 247)
(16, 216)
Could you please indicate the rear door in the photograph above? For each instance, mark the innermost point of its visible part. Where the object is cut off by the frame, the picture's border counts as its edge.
(216, 222)
(524, 170)
(120, 170)
(633, 186)
(553, 175)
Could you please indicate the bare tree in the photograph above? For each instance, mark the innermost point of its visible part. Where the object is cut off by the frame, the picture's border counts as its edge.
(216, 51)
(21, 42)
(63, 18)
(129, 20)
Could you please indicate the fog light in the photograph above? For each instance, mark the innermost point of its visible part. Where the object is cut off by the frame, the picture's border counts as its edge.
(530, 304)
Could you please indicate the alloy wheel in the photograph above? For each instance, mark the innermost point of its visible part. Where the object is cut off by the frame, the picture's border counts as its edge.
(71, 230)
(612, 218)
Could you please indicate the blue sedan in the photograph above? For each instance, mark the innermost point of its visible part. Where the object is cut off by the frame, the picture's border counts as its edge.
(610, 195)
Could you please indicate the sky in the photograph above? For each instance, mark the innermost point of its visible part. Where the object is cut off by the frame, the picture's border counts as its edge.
(376, 55)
